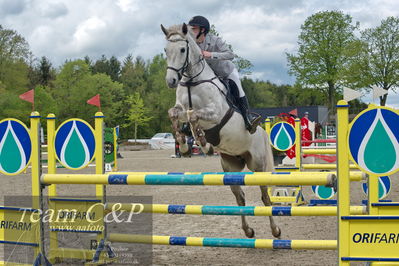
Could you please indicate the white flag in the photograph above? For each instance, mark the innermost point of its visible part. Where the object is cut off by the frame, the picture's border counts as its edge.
(350, 94)
(378, 91)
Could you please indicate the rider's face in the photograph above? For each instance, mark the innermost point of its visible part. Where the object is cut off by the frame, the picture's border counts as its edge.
(196, 30)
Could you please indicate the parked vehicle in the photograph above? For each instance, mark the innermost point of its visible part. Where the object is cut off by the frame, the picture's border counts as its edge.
(162, 141)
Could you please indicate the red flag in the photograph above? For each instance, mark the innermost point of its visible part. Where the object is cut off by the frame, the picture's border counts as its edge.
(294, 112)
(28, 96)
(95, 101)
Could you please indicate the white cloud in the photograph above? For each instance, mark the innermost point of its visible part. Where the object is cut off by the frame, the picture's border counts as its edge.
(148, 45)
(87, 33)
(127, 5)
(53, 10)
(261, 31)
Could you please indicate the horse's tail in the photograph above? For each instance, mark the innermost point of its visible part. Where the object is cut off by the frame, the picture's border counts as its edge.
(269, 160)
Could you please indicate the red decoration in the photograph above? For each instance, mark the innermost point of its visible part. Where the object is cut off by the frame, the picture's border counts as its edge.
(95, 101)
(28, 96)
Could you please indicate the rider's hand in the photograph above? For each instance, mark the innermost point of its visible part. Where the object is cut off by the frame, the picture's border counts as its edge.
(207, 54)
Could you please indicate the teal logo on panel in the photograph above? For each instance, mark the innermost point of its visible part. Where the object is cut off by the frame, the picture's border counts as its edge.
(374, 141)
(323, 192)
(75, 144)
(282, 136)
(15, 146)
(384, 187)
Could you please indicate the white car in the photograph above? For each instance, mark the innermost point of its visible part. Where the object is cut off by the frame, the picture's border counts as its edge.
(162, 141)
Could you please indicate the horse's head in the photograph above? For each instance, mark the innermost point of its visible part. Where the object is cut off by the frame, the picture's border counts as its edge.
(177, 53)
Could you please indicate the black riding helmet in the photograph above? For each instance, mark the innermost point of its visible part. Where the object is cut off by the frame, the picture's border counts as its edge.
(200, 21)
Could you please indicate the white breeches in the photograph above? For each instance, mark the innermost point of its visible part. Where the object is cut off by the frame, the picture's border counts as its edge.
(236, 78)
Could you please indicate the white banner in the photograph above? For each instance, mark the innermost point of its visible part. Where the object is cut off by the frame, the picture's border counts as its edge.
(378, 91)
(350, 94)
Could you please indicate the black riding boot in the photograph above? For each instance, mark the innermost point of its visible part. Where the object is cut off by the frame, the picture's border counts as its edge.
(251, 122)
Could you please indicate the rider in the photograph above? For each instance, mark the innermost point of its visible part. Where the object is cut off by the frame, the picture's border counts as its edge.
(219, 57)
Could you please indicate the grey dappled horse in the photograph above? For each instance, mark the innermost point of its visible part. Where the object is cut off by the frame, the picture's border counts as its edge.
(201, 101)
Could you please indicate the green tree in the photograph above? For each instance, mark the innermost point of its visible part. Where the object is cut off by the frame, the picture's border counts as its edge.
(134, 75)
(42, 73)
(378, 63)
(14, 55)
(13, 47)
(46, 72)
(101, 65)
(75, 84)
(114, 68)
(111, 67)
(137, 114)
(14, 58)
(259, 93)
(243, 65)
(88, 62)
(44, 101)
(158, 97)
(324, 52)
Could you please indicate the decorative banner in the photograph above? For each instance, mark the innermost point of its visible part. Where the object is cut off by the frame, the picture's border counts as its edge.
(282, 136)
(109, 145)
(76, 214)
(374, 141)
(75, 144)
(350, 94)
(95, 101)
(294, 112)
(19, 225)
(384, 187)
(323, 192)
(117, 131)
(28, 96)
(377, 92)
(15, 146)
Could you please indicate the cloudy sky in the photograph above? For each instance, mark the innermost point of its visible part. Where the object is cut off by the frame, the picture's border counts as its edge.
(259, 30)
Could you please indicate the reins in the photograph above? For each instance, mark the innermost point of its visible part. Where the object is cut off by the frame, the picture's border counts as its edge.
(190, 82)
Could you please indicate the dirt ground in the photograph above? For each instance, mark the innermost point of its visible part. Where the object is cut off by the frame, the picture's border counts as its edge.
(209, 226)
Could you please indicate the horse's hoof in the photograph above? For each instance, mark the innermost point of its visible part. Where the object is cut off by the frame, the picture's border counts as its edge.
(250, 233)
(277, 233)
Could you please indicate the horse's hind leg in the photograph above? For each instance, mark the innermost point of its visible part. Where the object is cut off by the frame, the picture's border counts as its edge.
(261, 165)
(234, 164)
(276, 231)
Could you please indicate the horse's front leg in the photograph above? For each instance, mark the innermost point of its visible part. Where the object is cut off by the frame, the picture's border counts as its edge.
(175, 114)
(198, 133)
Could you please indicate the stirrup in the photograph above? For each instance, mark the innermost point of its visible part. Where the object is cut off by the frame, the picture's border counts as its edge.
(254, 124)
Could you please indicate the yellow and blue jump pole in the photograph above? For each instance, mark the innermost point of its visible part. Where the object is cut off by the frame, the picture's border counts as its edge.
(230, 210)
(257, 179)
(225, 242)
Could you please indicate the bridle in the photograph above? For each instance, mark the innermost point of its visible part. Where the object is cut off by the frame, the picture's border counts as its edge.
(183, 69)
(180, 71)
